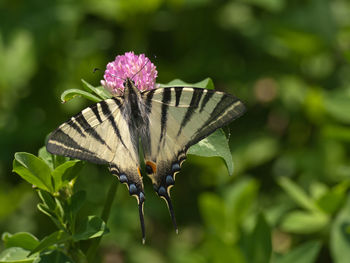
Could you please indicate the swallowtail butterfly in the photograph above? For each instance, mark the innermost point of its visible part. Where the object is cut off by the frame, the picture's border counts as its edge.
(168, 121)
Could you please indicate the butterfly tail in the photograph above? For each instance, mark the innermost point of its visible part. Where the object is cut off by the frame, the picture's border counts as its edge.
(171, 211)
(165, 195)
(135, 187)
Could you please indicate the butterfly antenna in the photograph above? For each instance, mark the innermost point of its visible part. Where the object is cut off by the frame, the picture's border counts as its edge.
(171, 211)
(115, 76)
(140, 69)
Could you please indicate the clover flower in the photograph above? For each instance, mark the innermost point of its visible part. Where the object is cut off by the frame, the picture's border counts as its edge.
(137, 67)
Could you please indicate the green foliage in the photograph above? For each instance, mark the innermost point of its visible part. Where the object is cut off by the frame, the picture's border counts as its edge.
(54, 180)
(90, 227)
(305, 253)
(258, 245)
(33, 170)
(16, 255)
(317, 210)
(226, 217)
(72, 93)
(340, 235)
(22, 239)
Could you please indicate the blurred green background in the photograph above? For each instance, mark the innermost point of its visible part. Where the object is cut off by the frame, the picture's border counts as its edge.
(288, 61)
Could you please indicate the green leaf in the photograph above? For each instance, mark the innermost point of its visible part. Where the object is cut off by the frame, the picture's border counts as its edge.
(257, 151)
(214, 145)
(66, 172)
(99, 91)
(338, 106)
(204, 84)
(297, 194)
(340, 235)
(58, 160)
(240, 199)
(69, 94)
(45, 210)
(213, 211)
(53, 239)
(331, 201)
(46, 156)
(318, 189)
(304, 253)
(23, 240)
(214, 251)
(304, 222)
(90, 227)
(59, 208)
(33, 170)
(47, 199)
(16, 255)
(258, 246)
(53, 256)
(77, 201)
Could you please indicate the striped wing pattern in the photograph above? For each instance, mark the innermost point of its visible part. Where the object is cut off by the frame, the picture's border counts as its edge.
(101, 134)
(179, 118)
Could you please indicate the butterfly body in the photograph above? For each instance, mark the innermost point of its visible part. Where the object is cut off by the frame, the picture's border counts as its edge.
(167, 120)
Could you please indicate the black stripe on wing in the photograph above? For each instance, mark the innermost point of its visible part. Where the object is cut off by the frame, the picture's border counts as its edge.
(95, 111)
(108, 114)
(146, 131)
(73, 124)
(196, 97)
(228, 109)
(165, 107)
(148, 100)
(62, 144)
(87, 127)
(205, 100)
(178, 91)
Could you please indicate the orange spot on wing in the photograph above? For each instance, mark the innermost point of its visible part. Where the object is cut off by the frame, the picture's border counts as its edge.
(152, 165)
(139, 172)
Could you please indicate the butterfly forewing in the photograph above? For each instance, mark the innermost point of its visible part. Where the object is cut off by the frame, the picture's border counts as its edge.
(180, 117)
(83, 136)
(100, 134)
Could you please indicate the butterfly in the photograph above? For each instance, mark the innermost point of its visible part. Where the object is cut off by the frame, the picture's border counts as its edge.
(167, 120)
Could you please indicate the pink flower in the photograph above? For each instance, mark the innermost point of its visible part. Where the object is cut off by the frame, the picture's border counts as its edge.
(136, 67)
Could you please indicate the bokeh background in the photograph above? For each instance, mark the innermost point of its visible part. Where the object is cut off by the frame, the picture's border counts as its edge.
(287, 60)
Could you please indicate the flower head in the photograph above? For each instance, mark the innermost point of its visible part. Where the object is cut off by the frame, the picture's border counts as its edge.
(137, 67)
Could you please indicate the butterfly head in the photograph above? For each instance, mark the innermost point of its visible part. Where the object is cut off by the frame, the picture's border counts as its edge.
(128, 83)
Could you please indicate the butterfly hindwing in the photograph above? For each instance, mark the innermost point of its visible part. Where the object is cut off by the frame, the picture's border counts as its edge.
(179, 117)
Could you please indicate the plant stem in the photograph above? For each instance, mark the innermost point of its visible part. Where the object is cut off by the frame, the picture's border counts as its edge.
(91, 253)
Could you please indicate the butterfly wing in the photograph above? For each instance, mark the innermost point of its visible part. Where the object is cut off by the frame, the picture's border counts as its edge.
(102, 134)
(179, 118)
